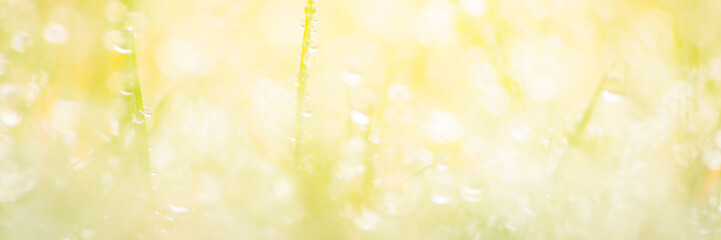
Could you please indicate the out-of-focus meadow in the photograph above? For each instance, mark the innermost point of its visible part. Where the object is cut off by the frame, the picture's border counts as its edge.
(417, 119)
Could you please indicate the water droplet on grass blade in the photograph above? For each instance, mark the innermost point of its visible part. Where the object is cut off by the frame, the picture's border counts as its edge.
(147, 112)
(307, 60)
(307, 107)
(123, 40)
(138, 117)
(309, 9)
(611, 97)
(304, 74)
(313, 48)
(127, 91)
(614, 87)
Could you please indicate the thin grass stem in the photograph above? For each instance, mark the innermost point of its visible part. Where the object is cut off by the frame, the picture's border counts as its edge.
(138, 114)
(303, 76)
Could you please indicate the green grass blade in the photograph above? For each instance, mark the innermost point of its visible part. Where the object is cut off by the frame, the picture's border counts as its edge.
(303, 76)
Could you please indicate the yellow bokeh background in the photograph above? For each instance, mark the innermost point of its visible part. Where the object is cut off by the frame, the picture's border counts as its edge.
(421, 119)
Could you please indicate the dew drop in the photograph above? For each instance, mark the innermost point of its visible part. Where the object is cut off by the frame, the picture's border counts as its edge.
(440, 199)
(351, 79)
(307, 113)
(282, 189)
(359, 118)
(399, 93)
(10, 118)
(20, 41)
(307, 108)
(177, 209)
(712, 159)
(422, 157)
(521, 132)
(304, 74)
(347, 172)
(614, 87)
(115, 11)
(391, 208)
(138, 117)
(309, 9)
(126, 91)
(441, 167)
(611, 97)
(471, 194)
(367, 220)
(79, 164)
(40, 78)
(147, 112)
(474, 7)
(374, 137)
(137, 21)
(443, 127)
(55, 33)
(307, 59)
(313, 48)
(16, 182)
(123, 40)
(377, 182)
(541, 88)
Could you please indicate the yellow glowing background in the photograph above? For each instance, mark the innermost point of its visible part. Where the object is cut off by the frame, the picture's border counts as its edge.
(360, 119)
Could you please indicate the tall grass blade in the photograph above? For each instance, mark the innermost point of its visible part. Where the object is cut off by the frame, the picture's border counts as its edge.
(303, 76)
